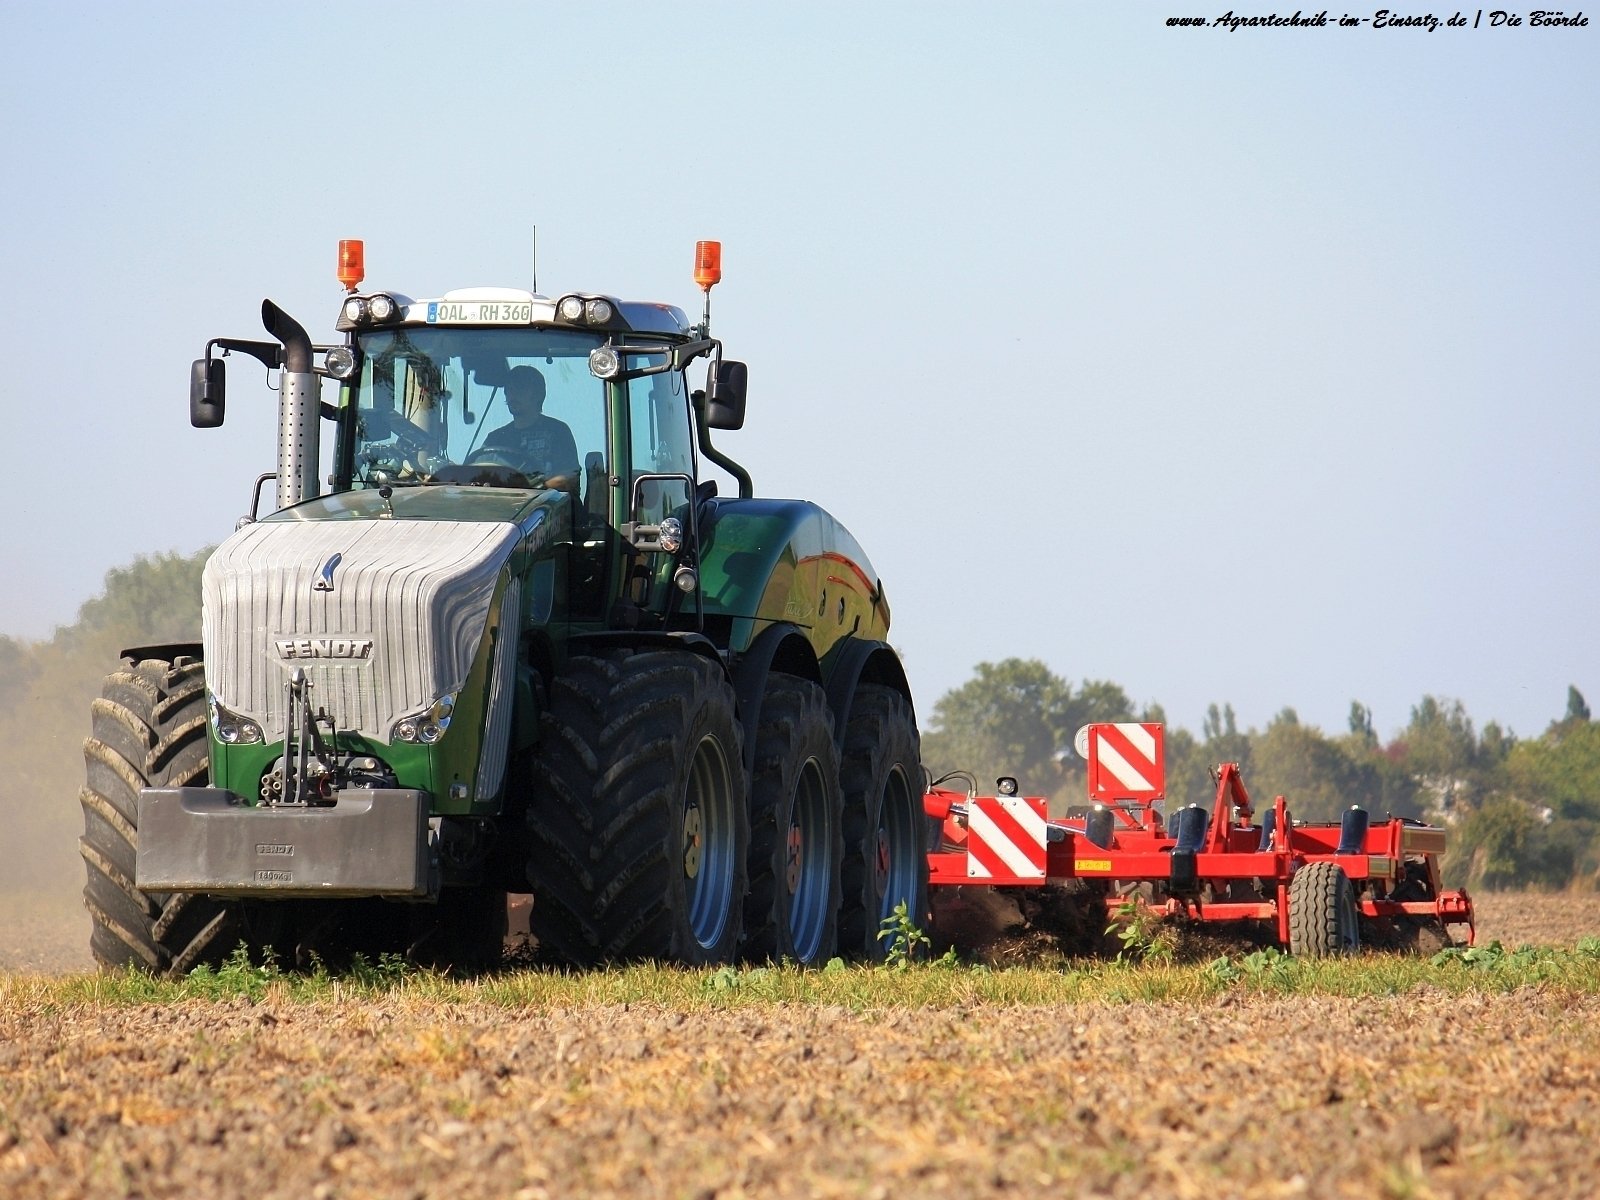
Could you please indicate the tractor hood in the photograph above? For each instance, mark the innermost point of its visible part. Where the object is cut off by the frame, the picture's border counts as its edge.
(385, 616)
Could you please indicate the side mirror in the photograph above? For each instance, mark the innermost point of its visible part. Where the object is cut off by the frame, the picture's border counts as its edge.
(208, 390)
(725, 391)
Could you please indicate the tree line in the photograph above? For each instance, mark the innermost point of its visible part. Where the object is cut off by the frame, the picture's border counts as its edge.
(1522, 812)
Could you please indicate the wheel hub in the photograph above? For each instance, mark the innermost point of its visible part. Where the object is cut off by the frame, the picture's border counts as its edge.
(795, 861)
(693, 837)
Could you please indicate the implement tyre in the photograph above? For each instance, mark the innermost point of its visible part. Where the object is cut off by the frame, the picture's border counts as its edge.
(1323, 918)
(796, 833)
(637, 823)
(885, 827)
(149, 730)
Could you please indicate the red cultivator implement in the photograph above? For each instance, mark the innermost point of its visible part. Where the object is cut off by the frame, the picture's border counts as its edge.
(1317, 888)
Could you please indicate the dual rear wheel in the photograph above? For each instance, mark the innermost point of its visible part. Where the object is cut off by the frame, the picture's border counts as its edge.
(645, 841)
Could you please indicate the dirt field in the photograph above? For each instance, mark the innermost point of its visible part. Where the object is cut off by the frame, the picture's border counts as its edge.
(1409, 1096)
(1406, 1096)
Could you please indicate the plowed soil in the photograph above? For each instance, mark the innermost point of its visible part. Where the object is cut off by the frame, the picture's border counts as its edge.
(1415, 1095)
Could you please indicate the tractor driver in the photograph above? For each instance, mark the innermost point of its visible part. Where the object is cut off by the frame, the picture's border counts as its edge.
(538, 445)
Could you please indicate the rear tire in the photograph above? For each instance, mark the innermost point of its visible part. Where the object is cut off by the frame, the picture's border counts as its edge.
(885, 828)
(1323, 918)
(149, 730)
(1406, 934)
(796, 836)
(637, 823)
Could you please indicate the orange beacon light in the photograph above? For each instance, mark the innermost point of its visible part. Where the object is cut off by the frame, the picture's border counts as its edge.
(707, 264)
(352, 263)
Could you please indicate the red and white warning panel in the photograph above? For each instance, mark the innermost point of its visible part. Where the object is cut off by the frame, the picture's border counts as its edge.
(1127, 761)
(1006, 839)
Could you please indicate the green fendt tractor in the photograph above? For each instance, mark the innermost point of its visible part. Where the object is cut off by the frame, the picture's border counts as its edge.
(517, 644)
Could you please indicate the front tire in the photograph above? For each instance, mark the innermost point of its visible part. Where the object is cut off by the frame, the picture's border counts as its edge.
(796, 839)
(1323, 918)
(149, 730)
(885, 842)
(638, 824)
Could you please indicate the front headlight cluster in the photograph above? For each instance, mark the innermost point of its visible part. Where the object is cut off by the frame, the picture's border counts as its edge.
(232, 729)
(428, 727)
(581, 310)
(369, 310)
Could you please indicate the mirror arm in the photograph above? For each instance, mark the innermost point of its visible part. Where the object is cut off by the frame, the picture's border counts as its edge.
(268, 353)
(685, 354)
(747, 488)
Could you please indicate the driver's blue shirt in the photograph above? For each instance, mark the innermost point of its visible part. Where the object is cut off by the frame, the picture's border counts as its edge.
(544, 446)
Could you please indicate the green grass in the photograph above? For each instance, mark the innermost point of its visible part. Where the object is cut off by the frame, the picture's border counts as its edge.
(943, 984)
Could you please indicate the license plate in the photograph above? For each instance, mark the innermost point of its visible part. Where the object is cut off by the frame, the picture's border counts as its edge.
(479, 312)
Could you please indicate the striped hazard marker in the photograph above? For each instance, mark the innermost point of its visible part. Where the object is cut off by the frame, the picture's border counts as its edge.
(1127, 761)
(1006, 839)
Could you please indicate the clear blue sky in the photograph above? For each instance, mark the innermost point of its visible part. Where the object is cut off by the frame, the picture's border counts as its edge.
(1255, 367)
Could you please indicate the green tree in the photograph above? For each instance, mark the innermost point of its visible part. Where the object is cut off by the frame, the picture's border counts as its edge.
(1017, 717)
(1222, 740)
(1577, 709)
(1316, 775)
(1439, 749)
(1361, 723)
(154, 599)
(1560, 771)
(1505, 843)
(1010, 718)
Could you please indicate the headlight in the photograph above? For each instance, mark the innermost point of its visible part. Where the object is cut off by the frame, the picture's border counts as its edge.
(571, 308)
(671, 535)
(340, 362)
(604, 363)
(232, 729)
(355, 310)
(382, 307)
(597, 312)
(426, 727)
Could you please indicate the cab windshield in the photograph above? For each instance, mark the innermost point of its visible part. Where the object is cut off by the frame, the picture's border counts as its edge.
(494, 407)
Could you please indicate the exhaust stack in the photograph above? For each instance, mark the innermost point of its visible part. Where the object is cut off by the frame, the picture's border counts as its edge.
(299, 412)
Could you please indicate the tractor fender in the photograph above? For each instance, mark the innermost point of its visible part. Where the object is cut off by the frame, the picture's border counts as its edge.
(648, 639)
(857, 661)
(168, 651)
(779, 647)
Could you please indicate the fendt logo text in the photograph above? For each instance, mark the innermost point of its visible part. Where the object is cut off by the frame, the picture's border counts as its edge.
(359, 649)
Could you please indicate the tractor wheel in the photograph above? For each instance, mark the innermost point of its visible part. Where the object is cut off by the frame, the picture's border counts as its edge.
(637, 822)
(885, 828)
(796, 839)
(1323, 918)
(149, 730)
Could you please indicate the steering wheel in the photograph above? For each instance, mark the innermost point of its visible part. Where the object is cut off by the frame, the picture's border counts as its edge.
(491, 466)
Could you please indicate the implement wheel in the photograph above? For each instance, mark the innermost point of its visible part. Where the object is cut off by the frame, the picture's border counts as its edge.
(1323, 918)
(149, 730)
(637, 821)
(885, 828)
(796, 839)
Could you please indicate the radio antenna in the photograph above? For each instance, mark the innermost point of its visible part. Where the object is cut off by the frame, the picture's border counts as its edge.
(533, 248)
